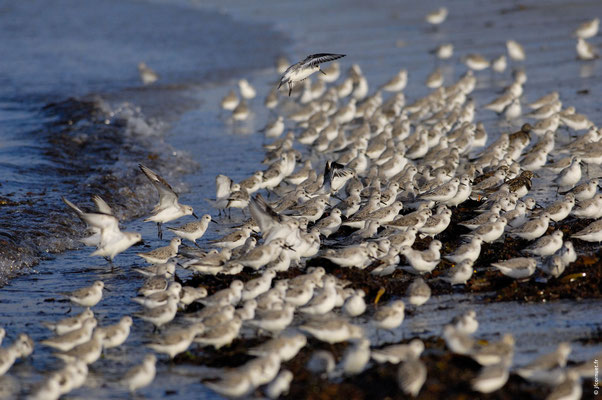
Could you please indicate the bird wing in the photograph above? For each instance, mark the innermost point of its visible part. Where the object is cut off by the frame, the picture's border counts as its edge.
(102, 205)
(166, 193)
(223, 184)
(315, 59)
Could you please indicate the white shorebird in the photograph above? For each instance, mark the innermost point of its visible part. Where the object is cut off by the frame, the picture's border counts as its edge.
(168, 208)
(88, 296)
(193, 230)
(301, 70)
(106, 235)
(147, 75)
(141, 375)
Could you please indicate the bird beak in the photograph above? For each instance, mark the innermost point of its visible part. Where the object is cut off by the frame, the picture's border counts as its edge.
(107, 289)
(139, 243)
(320, 69)
(214, 221)
(194, 215)
(286, 246)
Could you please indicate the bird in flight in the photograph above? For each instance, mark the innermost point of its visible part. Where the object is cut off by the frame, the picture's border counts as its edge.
(301, 70)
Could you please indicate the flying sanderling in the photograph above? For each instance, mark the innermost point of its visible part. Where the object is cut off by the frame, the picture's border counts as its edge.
(301, 70)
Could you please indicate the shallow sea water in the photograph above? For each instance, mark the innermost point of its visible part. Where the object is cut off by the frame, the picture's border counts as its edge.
(241, 40)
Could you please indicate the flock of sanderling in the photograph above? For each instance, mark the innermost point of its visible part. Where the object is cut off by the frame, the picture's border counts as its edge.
(389, 172)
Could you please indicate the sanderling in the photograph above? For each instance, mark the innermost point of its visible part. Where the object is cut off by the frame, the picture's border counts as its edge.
(107, 236)
(466, 323)
(193, 230)
(87, 352)
(389, 317)
(147, 75)
(585, 50)
(332, 330)
(69, 324)
(324, 301)
(177, 341)
(500, 103)
(159, 298)
(72, 376)
(547, 368)
(517, 268)
(275, 128)
(189, 294)
(460, 274)
(274, 320)
(494, 353)
(230, 101)
(445, 51)
(329, 225)
(546, 245)
(588, 29)
(397, 353)
(418, 292)
(262, 370)
(436, 17)
(411, 376)
(469, 251)
(590, 208)
(246, 90)
(257, 286)
(457, 341)
(356, 357)
(162, 255)
(141, 375)
(483, 218)
(476, 62)
(234, 383)
(247, 311)
(301, 70)
(534, 228)
(74, 338)
(567, 253)
(262, 255)
(355, 305)
(515, 50)
(545, 99)
(570, 388)
(435, 79)
(300, 295)
(491, 378)
(87, 296)
(423, 261)
(546, 111)
(167, 270)
(569, 176)
(161, 315)
(49, 389)
(591, 233)
(234, 239)
(280, 385)
(287, 346)
(561, 209)
(168, 208)
(116, 335)
(354, 256)
(437, 223)
(553, 266)
(415, 220)
(499, 63)
(220, 335)
(152, 285)
(230, 295)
